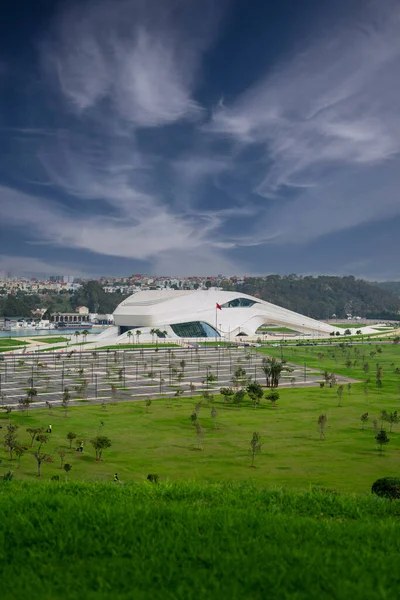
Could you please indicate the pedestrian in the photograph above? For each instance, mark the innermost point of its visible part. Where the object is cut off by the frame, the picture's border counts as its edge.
(49, 429)
(116, 478)
(80, 449)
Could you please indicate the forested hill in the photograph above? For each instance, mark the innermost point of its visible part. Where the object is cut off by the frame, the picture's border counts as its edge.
(322, 297)
(389, 286)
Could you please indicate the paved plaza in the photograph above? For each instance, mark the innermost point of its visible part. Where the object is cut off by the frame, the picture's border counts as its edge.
(112, 376)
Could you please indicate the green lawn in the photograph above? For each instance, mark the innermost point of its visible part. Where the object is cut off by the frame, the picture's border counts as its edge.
(349, 360)
(53, 339)
(194, 542)
(8, 344)
(350, 325)
(164, 441)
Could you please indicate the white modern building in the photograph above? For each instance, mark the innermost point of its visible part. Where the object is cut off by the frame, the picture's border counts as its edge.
(204, 313)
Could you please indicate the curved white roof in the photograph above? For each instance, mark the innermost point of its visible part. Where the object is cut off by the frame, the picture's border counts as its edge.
(158, 308)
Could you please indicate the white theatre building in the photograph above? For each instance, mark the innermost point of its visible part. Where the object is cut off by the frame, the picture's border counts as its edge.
(202, 314)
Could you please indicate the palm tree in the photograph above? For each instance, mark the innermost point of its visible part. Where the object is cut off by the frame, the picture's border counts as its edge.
(129, 335)
(165, 333)
(153, 333)
(77, 334)
(85, 333)
(138, 334)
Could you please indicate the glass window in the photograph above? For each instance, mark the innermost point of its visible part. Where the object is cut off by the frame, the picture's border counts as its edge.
(239, 303)
(194, 329)
(125, 328)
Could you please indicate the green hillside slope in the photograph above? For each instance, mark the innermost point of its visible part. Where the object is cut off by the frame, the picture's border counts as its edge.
(194, 542)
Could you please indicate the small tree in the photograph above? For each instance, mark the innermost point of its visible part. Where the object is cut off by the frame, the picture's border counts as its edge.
(199, 434)
(71, 436)
(49, 407)
(364, 419)
(255, 393)
(239, 397)
(214, 414)
(227, 393)
(381, 440)
(392, 418)
(10, 439)
(31, 393)
(67, 467)
(100, 443)
(340, 394)
(148, 404)
(192, 388)
(65, 400)
(41, 438)
(193, 418)
(20, 451)
(114, 394)
(239, 377)
(322, 421)
(41, 457)
(273, 397)
(61, 453)
(33, 432)
(255, 447)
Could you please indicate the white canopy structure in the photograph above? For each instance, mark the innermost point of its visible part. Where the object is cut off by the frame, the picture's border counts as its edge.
(206, 313)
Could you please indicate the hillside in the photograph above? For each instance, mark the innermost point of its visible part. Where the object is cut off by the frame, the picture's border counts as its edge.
(389, 286)
(322, 297)
(194, 542)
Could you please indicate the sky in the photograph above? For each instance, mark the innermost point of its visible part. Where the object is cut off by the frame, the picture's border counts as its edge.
(197, 137)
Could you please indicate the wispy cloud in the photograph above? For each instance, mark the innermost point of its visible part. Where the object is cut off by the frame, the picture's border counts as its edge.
(141, 57)
(325, 117)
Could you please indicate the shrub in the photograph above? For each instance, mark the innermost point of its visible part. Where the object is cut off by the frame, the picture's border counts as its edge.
(387, 487)
(153, 477)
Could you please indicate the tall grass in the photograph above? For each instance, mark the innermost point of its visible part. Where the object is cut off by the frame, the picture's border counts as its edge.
(190, 541)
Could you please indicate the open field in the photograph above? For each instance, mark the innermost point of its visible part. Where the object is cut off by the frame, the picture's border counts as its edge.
(54, 339)
(161, 438)
(358, 361)
(194, 542)
(7, 344)
(164, 441)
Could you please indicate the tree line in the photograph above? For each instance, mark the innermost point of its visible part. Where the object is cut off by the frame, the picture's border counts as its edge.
(322, 297)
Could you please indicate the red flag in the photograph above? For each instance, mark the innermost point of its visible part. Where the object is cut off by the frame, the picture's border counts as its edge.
(218, 306)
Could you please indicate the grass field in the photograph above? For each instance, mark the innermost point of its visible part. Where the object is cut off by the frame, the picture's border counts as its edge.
(7, 344)
(357, 361)
(53, 339)
(163, 441)
(194, 542)
(213, 528)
